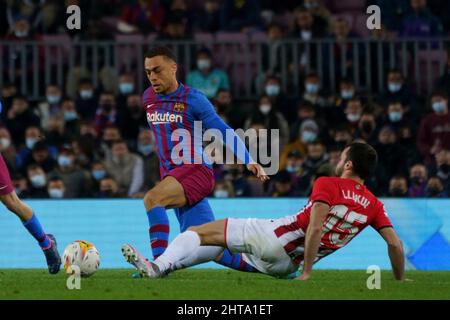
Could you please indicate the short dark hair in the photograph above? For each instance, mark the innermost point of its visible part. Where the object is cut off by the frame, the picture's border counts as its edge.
(364, 159)
(161, 51)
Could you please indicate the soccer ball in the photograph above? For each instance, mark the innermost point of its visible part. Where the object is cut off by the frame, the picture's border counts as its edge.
(82, 254)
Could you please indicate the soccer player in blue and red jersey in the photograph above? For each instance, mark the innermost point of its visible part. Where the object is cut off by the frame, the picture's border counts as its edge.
(169, 106)
(9, 198)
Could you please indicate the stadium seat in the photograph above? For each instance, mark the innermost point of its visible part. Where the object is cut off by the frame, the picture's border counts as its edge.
(359, 25)
(348, 6)
(62, 41)
(126, 48)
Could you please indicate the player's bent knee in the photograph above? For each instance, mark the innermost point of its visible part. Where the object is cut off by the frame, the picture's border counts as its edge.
(152, 200)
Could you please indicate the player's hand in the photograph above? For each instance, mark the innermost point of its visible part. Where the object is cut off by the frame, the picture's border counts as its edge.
(304, 276)
(258, 171)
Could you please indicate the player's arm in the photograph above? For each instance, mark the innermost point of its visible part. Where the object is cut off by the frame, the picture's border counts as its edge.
(395, 250)
(319, 212)
(211, 120)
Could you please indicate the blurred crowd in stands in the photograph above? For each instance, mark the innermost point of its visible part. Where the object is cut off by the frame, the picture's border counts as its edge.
(96, 143)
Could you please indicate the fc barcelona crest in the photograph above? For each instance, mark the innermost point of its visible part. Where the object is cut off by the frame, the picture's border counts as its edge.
(179, 107)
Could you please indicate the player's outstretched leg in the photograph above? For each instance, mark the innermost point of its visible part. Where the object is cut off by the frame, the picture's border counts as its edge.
(30, 221)
(198, 214)
(168, 193)
(182, 247)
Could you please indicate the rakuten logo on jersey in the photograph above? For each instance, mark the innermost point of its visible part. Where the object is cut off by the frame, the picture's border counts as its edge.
(159, 117)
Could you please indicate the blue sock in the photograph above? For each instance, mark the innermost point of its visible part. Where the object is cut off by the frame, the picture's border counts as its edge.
(35, 229)
(159, 230)
(235, 261)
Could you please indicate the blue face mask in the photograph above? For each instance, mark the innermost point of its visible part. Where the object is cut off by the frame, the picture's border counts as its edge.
(272, 90)
(64, 161)
(53, 99)
(98, 174)
(311, 88)
(395, 116)
(145, 149)
(308, 136)
(30, 142)
(347, 94)
(70, 115)
(439, 106)
(126, 88)
(394, 87)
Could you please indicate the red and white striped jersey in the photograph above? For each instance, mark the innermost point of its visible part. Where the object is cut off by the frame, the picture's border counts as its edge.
(352, 208)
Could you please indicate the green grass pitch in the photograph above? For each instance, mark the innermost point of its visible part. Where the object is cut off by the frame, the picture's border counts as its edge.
(221, 284)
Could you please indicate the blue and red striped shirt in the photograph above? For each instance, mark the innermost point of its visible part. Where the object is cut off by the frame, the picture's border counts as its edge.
(179, 110)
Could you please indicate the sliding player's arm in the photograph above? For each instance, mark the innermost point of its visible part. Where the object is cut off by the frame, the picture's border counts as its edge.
(211, 120)
(319, 212)
(395, 250)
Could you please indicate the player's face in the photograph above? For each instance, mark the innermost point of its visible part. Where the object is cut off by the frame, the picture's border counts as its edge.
(161, 72)
(342, 162)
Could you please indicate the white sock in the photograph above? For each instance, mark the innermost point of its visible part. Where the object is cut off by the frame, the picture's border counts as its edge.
(201, 255)
(183, 246)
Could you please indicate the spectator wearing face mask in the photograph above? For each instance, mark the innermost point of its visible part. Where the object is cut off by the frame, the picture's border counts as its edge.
(108, 188)
(347, 91)
(207, 78)
(223, 189)
(312, 91)
(353, 112)
(126, 168)
(396, 116)
(71, 117)
(442, 168)
(76, 180)
(398, 187)
(38, 182)
(131, 119)
(51, 106)
(272, 88)
(435, 188)
(86, 101)
(418, 175)
(19, 117)
(306, 111)
(270, 118)
(315, 157)
(231, 113)
(398, 90)
(308, 133)
(33, 135)
(146, 149)
(434, 130)
(126, 87)
(56, 188)
(106, 112)
(367, 127)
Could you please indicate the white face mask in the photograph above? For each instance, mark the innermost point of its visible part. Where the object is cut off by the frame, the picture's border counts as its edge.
(55, 193)
(21, 34)
(221, 194)
(353, 117)
(203, 64)
(439, 106)
(5, 143)
(86, 94)
(394, 87)
(126, 88)
(265, 108)
(312, 88)
(306, 35)
(38, 181)
(53, 99)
